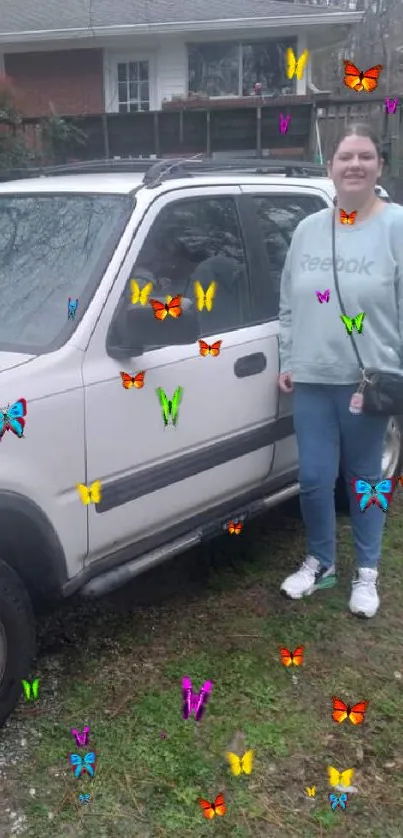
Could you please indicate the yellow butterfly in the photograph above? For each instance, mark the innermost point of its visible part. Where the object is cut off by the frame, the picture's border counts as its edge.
(205, 298)
(311, 791)
(340, 778)
(90, 494)
(240, 764)
(296, 67)
(140, 295)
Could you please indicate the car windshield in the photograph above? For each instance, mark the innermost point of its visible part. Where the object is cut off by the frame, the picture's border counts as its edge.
(53, 247)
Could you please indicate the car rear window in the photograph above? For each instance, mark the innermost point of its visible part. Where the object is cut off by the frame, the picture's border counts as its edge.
(53, 247)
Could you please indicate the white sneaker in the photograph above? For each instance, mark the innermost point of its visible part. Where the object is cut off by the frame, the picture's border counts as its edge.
(364, 596)
(309, 578)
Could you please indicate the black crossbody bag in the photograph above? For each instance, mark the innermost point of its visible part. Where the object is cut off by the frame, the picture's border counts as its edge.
(382, 391)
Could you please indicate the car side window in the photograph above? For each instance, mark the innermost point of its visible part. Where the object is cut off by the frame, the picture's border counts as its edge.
(277, 218)
(199, 240)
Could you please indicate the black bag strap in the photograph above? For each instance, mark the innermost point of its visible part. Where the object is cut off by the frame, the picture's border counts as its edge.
(336, 282)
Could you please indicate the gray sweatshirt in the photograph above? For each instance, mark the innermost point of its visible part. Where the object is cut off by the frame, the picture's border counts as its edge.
(314, 343)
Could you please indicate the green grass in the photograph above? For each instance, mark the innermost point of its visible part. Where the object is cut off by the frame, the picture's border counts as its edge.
(120, 666)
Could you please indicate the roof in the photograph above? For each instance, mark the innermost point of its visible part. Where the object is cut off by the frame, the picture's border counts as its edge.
(19, 17)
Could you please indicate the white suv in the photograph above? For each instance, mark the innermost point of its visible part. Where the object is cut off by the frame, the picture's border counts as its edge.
(99, 237)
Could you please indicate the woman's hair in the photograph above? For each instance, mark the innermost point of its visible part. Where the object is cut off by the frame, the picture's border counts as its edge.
(361, 129)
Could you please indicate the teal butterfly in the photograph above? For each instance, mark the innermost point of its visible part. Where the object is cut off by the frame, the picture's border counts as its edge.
(31, 691)
(338, 801)
(80, 764)
(350, 322)
(170, 407)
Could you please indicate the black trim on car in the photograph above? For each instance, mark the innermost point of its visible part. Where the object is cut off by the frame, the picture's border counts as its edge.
(209, 522)
(124, 489)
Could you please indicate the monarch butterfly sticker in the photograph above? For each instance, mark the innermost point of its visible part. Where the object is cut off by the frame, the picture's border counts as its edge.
(235, 527)
(172, 306)
(210, 810)
(355, 714)
(130, 381)
(31, 691)
(292, 658)
(348, 218)
(170, 407)
(140, 295)
(206, 349)
(90, 494)
(205, 298)
(240, 765)
(358, 80)
(294, 66)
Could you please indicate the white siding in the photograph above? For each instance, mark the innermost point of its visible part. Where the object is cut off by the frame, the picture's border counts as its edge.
(172, 69)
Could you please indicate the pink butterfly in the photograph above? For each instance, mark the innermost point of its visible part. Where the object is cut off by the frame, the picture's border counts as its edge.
(81, 738)
(391, 105)
(194, 702)
(284, 122)
(325, 297)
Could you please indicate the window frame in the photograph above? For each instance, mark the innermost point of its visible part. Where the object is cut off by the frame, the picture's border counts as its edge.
(110, 71)
(260, 293)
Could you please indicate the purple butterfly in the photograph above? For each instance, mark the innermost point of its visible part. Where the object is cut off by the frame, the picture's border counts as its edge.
(81, 738)
(194, 702)
(325, 297)
(284, 122)
(391, 105)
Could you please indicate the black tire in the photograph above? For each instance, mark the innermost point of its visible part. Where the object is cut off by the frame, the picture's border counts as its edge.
(17, 628)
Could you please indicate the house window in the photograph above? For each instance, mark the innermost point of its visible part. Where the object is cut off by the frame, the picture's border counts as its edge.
(133, 86)
(232, 69)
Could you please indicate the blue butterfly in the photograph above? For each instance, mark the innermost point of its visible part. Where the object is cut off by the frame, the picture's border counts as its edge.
(379, 494)
(84, 798)
(83, 764)
(72, 308)
(11, 418)
(338, 801)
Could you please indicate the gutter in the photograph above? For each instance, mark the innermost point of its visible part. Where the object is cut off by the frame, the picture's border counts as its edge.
(183, 26)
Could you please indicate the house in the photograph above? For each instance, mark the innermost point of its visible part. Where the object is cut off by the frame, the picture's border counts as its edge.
(124, 56)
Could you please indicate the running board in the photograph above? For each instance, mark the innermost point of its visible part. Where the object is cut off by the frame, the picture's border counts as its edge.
(119, 576)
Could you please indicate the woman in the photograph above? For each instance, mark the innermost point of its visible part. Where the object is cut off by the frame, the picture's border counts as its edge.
(318, 363)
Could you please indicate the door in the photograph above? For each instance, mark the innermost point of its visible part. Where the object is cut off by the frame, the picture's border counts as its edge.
(153, 476)
(275, 212)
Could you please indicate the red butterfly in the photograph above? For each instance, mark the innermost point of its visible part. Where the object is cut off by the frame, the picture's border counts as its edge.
(129, 381)
(206, 349)
(342, 711)
(211, 809)
(288, 658)
(173, 306)
(235, 527)
(358, 80)
(347, 218)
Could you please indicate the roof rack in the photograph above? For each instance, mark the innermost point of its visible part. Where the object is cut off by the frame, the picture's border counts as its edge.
(157, 170)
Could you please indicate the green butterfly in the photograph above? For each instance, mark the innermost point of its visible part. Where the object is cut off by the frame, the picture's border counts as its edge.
(350, 322)
(31, 689)
(170, 407)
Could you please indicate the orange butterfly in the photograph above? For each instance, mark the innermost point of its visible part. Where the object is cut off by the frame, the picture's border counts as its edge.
(401, 480)
(211, 809)
(206, 349)
(347, 218)
(173, 306)
(288, 658)
(342, 711)
(358, 80)
(235, 527)
(129, 381)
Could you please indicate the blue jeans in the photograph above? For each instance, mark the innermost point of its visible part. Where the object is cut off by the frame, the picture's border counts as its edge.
(328, 433)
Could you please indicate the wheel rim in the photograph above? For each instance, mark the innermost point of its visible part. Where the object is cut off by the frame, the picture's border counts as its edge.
(391, 448)
(3, 651)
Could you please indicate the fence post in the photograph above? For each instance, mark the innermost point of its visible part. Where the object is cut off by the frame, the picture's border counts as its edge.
(259, 131)
(106, 135)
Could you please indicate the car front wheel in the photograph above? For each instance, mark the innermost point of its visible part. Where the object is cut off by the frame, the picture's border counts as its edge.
(17, 638)
(392, 457)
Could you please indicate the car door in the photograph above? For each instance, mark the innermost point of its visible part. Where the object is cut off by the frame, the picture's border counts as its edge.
(155, 477)
(275, 211)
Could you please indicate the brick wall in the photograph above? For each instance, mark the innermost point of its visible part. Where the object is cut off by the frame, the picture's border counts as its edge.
(71, 79)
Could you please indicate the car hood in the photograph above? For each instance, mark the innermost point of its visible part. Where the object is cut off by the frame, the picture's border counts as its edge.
(8, 360)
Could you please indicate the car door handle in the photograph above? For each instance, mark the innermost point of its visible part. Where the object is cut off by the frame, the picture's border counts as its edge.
(250, 364)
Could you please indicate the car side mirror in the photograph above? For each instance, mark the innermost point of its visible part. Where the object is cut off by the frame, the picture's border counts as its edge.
(138, 329)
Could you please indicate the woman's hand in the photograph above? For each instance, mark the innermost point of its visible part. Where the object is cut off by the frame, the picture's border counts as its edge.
(285, 382)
